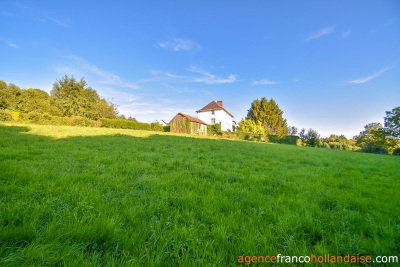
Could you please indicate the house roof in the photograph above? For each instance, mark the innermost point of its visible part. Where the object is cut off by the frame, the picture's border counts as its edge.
(213, 106)
(190, 118)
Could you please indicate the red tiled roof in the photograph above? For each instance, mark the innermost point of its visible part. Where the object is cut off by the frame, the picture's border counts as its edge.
(213, 106)
(191, 118)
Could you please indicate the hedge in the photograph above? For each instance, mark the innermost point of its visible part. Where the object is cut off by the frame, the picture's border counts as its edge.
(286, 139)
(127, 124)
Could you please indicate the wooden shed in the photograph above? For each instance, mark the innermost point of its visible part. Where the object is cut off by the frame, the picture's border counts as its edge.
(183, 123)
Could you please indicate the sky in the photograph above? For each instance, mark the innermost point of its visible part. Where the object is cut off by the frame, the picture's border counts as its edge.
(333, 66)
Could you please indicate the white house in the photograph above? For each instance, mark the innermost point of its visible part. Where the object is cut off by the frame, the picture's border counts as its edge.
(214, 112)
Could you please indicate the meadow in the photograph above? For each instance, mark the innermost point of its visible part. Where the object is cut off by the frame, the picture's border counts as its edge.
(91, 196)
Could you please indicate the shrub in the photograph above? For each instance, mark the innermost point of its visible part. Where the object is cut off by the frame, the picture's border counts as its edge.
(15, 115)
(35, 116)
(5, 115)
(214, 129)
(396, 151)
(345, 146)
(325, 145)
(128, 124)
(286, 139)
(47, 116)
(311, 138)
(374, 149)
(167, 128)
(156, 127)
(23, 117)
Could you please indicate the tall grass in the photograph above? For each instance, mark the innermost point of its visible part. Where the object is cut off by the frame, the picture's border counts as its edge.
(90, 196)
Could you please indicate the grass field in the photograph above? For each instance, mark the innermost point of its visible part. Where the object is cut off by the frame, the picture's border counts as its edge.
(93, 196)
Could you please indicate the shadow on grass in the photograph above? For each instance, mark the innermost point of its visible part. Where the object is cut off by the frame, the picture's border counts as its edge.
(24, 132)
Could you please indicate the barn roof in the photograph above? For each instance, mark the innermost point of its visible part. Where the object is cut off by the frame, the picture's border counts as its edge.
(213, 106)
(190, 118)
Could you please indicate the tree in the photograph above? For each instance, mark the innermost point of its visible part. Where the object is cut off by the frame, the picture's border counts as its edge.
(392, 122)
(74, 98)
(373, 139)
(7, 94)
(292, 130)
(336, 138)
(311, 138)
(33, 100)
(269, 115)
(250, 126)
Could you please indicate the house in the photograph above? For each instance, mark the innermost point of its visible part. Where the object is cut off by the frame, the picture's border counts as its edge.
(183, 123)
(214, 112)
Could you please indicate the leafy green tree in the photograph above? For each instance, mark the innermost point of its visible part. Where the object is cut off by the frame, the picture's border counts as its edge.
(292, 130)
(7, 94)
(33, 100)
(337, 138)
(311, 137)
(392, 122)
(250, 126)
(74, 98)
(269, 115)
(373, 139)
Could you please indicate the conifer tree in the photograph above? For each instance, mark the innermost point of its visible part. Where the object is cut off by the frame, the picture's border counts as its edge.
(269, 115)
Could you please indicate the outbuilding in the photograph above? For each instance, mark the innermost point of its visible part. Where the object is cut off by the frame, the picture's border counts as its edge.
(183, 123)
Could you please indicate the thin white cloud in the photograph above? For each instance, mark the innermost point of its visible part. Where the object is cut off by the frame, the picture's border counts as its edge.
(165, 74)
(264, 82)
(346, 33)
(7, 14)
(62, 69)
(322, 32)
(9, 43)
(60, 22)
(105, 77)
(119, 96)
(178, 44)
(209, 78)
(368, 78)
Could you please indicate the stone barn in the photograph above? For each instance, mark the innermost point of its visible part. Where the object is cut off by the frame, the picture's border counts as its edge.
(183, 123)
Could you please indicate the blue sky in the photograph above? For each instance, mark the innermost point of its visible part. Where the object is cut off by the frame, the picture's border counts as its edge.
(333, 66)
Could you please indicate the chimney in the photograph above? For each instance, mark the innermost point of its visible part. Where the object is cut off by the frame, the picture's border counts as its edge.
(220, 103)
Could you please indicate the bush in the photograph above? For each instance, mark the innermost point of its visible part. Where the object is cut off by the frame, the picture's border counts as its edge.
(325, 145)
(156, 127)
(35, 116)
(374, 149)
(47, 116)
(214, 129)
(24, 117)
(167, 128)
(15, 115)
(5, 115)
(396, 151)
(286, 139)
(311, 138)
(129, 124)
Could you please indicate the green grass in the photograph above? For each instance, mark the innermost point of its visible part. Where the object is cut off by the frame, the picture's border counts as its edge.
(92, 196)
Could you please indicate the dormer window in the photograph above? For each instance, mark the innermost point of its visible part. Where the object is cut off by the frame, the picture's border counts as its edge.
(212, 112)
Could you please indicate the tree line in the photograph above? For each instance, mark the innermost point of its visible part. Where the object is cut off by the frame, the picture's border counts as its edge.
(69, 97)
(266, 118)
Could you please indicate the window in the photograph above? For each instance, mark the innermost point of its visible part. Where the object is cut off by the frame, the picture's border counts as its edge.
(212, 121)
(212, 112)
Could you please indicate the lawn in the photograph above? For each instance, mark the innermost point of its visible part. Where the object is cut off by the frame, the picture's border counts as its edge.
(93, 196)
